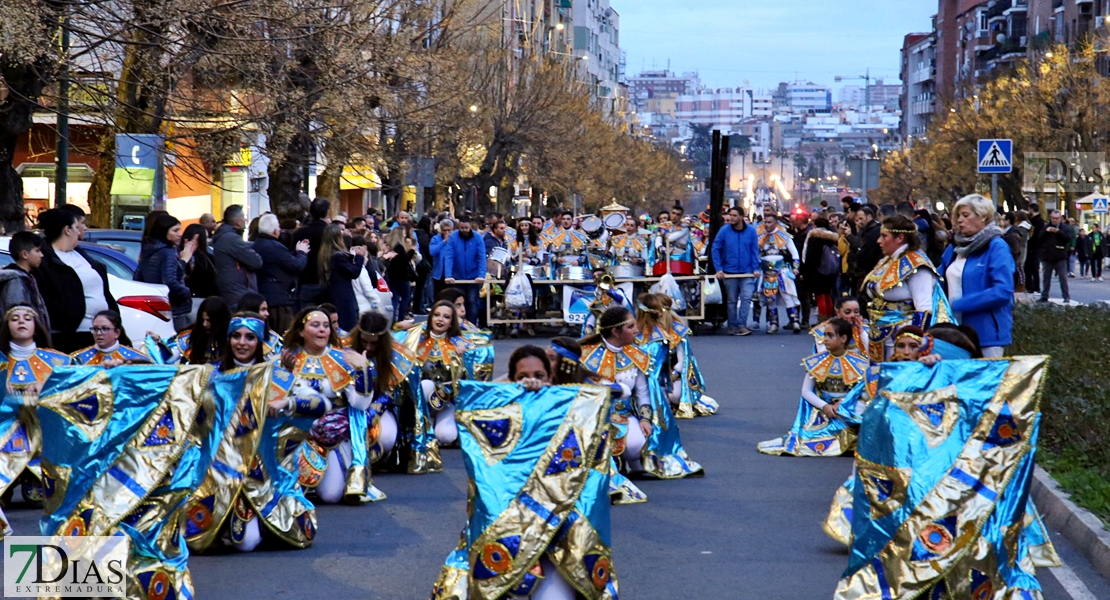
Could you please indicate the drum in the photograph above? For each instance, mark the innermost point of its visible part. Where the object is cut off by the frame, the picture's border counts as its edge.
(678, 267)
(615, 221)
(497, 263)
(575, 274)
(536, 272)
(593, 226)
(626, 271)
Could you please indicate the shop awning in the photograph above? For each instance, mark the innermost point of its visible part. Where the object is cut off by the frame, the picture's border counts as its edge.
(133, 182)
(359, 178)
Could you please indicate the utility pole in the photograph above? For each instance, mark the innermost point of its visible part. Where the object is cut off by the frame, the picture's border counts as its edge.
(61, 131)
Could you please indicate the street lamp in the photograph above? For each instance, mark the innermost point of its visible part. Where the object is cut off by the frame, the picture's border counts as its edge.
(473, 108)
(560, 26)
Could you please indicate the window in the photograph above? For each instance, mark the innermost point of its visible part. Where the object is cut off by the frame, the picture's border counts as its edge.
(982, 16)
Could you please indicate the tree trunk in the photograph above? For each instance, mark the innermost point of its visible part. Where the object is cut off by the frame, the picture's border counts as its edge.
(100, 193)
(11, 189)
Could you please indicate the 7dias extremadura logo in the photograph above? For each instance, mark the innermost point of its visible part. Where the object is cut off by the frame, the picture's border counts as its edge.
(65, 567)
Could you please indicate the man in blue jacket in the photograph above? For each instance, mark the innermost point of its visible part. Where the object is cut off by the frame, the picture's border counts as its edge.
(436, 246)
(464, 258)
(736, 252)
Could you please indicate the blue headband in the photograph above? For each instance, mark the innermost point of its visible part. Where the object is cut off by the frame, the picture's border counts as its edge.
(949, 351)
(567, 354)
(255, 325)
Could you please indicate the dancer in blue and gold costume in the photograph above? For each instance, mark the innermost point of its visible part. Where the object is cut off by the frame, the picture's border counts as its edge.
(818, 430)
(107, 327)
(479, 358)
(537, 457)
(138, 442)
(393, 365)
(687, 385)
(427, 410)
(944, 465)
(903, 288)
(251, 479)
(201, 344)
(334, 385)
(779, 263)
(28, 362)
(611, 357)
(661, 337)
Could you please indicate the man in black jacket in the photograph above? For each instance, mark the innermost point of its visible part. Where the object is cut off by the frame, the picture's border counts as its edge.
(868, 253)
(1054, 242)
(310, 291)
(277, 279)
(65, 268)
(1033, 252)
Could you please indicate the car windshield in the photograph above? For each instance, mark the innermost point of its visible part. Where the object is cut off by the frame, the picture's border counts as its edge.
(132, 248)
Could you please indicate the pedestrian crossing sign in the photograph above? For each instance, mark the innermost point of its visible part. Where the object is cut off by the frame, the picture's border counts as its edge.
(996, 156)
(1098, 205)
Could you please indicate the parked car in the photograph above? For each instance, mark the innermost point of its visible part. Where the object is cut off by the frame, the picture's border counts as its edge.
(128, 242)
(143, 306)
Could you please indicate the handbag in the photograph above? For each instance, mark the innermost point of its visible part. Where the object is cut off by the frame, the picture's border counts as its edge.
(711, 291)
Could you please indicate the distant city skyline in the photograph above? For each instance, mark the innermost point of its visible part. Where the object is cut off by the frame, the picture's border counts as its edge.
(729, 42)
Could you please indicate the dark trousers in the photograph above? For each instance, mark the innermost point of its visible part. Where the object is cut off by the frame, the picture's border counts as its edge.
(419, 293)
(1060, 267)
(473, 307)
(1096, 266)
(438, 285)
(402, 296)
(311, 294)
(1032, 273)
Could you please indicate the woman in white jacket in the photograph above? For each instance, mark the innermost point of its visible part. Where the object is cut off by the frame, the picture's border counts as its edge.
(366, 287)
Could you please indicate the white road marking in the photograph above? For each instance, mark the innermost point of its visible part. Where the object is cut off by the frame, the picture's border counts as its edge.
(1071, 583)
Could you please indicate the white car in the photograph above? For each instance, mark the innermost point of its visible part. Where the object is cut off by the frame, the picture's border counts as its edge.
(143, 307)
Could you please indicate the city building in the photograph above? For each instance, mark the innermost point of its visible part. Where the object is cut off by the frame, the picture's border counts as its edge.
(919, 92)
(597, 46)
(723, 108)
(661, 87)
(878, 95)
(804, 97)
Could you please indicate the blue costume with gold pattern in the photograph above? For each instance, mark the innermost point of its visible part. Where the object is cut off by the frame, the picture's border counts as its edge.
(814, 433)
(941, 498)
(682, 370)
(442, 361)
(538, 464)
(320, 389)
(138, 441)
(892, 305)
(20, 435)
(663, 454)
(94, 356)
(251, 474)
(176, 349)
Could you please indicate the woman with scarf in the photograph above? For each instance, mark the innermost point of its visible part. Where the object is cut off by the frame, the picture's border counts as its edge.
(228, 506)
(979, 275)
(903, 287)
(331, 384)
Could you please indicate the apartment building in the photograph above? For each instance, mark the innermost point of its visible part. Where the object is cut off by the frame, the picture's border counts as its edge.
(597, 45)
(723, 108)
(919, 92)
(651, 90)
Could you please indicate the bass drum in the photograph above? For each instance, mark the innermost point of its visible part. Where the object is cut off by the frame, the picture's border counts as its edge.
(678, 267)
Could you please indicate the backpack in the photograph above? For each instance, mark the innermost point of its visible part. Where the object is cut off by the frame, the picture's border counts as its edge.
(830, 261)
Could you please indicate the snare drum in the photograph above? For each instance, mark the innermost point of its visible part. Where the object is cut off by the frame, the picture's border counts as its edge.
(536, 272)
(593, 226)
(497, 262)
(575, 274)
(626, 271)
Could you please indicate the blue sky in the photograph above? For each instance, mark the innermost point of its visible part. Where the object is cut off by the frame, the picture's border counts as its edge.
(768, 41)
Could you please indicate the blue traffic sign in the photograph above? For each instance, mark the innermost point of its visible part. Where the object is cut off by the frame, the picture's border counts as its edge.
(996, 156)
(1099, 205)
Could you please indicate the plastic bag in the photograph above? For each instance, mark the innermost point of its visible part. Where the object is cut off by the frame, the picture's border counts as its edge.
(711, 291)
(518, 294)
(669, 286)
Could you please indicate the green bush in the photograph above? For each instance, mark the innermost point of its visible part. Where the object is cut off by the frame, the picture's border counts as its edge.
(1075, 430)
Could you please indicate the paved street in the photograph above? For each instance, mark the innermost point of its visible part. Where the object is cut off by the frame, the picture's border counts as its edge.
(749, 529)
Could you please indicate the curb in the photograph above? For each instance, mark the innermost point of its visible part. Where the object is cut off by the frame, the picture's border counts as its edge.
(1078, 525)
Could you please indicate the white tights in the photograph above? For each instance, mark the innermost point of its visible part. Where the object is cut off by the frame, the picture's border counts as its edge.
(447, 432)
(334, 482)
(387, 432)
(633, 443)
(252, 536)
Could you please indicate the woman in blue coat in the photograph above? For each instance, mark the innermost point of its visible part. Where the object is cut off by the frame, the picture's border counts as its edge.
(978, 272)
(161, 263)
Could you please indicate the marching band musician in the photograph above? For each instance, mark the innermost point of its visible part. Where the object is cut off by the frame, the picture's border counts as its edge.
(568, 245)
(779, 262)
(629, 246)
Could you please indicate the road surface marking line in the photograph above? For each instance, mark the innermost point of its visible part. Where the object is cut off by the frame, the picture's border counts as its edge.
(1071, 583)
